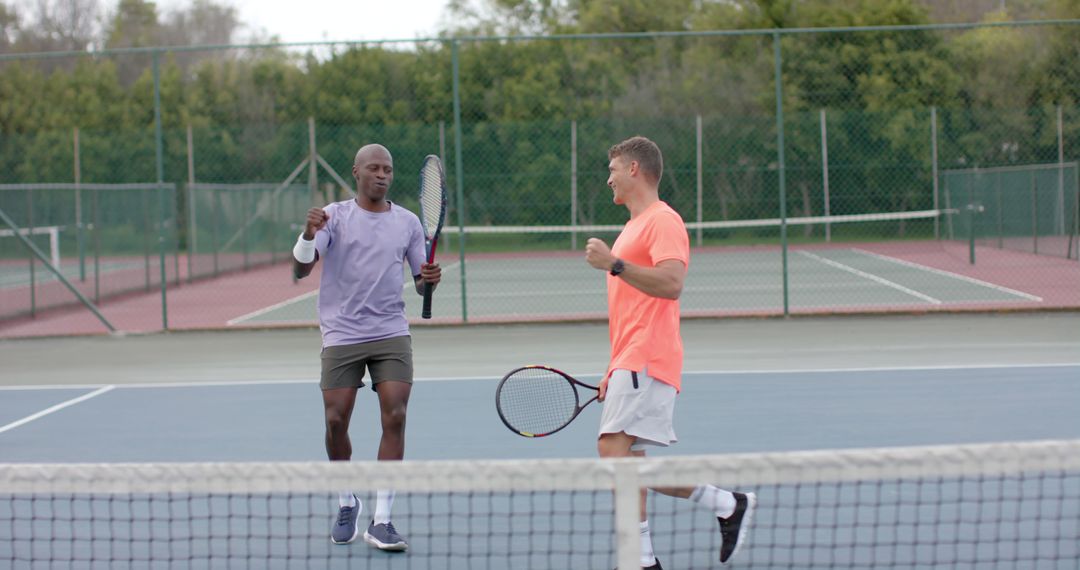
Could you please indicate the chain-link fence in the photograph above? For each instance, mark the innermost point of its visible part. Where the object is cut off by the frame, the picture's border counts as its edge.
(817, 170)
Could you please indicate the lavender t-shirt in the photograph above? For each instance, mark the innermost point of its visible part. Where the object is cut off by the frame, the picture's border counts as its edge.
(363, 255)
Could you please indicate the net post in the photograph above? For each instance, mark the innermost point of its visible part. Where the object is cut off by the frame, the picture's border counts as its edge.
(54, 245)
(627, 514)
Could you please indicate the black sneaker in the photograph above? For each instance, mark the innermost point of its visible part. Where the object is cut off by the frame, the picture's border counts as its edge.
(733, 529)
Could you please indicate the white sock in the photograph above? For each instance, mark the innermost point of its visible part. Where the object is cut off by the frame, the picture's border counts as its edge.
(347, 499)
(384, 500)
(718, 500)
(648, 557)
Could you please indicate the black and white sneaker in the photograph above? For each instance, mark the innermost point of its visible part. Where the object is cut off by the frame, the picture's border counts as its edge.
(345, 529)
(385, 537)
(733, 529)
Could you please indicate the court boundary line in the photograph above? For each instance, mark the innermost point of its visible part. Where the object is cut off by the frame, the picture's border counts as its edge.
(871, 277)
(942, 272)
(274, 307)
(313, 293)
(314, 381)
(56, 408)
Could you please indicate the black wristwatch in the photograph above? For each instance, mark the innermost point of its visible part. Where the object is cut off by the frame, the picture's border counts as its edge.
(617, 267)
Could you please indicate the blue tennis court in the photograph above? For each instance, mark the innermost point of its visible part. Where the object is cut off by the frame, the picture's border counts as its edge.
(250, 399)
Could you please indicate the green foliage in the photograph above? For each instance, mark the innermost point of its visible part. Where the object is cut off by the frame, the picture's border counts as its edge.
(995, 89)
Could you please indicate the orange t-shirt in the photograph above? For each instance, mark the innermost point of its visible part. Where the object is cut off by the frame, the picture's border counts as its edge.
(644, 330)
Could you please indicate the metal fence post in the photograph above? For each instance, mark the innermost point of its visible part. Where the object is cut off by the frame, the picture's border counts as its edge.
(778, 64)
(192, 239)
(825, 172)
(33, 262)
(573, 185)
(455, 56)
(313, 164)
(160, 160)
(934, 167)
(1059, 220)
(700, 217)
(80, 242)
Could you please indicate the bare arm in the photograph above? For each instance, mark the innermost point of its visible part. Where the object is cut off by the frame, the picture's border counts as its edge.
(664, 280)
(302, 270)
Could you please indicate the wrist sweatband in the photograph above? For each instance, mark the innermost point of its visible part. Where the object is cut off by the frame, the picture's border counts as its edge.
(304, 250)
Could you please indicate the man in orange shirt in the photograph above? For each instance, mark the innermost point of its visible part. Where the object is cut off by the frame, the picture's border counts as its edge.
(647, 267)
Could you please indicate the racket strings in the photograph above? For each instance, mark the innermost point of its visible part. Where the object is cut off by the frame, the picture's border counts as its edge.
(431, 196)
(537, 401)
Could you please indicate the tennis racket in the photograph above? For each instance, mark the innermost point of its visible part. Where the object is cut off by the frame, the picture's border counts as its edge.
(536, 401)
(432, 214)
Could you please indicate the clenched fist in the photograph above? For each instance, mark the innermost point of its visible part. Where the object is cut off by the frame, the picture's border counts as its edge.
(316, 220)
(598, 254)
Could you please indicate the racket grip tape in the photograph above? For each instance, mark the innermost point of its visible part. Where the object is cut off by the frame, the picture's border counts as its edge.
(426, 312)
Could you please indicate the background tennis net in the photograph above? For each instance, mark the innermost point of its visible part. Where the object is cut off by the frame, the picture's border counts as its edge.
(1013, 505)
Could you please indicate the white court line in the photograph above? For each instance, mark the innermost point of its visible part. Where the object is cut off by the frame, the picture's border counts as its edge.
(297, 299)
(273, 307)
(56, 408)
(405, 286)
(212, 383)
(872, 277)
(589, 375)
(948, 274)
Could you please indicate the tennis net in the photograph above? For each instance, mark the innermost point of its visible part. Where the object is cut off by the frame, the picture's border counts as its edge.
(1009, 505)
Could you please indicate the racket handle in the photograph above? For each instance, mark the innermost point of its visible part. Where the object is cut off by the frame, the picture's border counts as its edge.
(426, 313)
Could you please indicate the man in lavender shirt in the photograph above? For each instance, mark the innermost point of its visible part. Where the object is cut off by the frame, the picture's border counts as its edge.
(363, 244)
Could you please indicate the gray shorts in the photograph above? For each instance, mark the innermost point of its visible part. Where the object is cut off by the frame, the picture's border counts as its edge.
(639, 406)
(388, 359)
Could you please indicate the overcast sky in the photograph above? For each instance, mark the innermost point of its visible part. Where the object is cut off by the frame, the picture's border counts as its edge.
(318, 20)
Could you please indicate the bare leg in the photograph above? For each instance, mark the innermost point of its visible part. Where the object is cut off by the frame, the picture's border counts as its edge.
(338, 406)
(393, 403)
(618, 445)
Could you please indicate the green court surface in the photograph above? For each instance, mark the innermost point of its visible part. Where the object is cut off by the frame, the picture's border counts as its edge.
(564, 286)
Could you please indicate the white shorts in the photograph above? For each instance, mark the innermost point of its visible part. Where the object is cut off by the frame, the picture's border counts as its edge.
(639, 406)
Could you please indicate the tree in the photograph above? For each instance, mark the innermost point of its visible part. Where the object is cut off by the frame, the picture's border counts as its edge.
(9, 27)
(67, 24)
(204, 22)
(135, 24)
